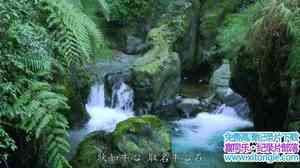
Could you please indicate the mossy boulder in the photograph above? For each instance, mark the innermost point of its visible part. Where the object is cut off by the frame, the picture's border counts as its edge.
(144, 136)
(139, 142)
(146, 127)
(156, 75)
(89, 152)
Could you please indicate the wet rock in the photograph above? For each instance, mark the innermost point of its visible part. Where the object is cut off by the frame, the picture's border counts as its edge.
(168, 110)
(220, 81)
(112, 80)
(190, 107)
(135, 45)
(139, 142)
(155, 78)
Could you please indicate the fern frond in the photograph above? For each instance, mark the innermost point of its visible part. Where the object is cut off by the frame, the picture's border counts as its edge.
(75, 31)
(57, 142)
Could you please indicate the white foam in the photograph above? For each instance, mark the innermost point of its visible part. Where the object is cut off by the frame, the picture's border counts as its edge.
(199, 132)
(106, 118)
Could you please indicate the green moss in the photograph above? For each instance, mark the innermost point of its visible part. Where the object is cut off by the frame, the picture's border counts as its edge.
(130, 10)
(151, 62)
(89, 151)
(135, 125)
(213, 15)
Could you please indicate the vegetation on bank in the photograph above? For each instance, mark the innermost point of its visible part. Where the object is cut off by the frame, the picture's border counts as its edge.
(254, 27)
(42, 42)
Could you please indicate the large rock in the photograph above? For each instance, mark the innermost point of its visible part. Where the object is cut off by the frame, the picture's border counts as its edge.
(90, 151)
(220, 84)
(190, 107)
(155, 76)
(220, 81)
(144, 136)
(140, 142)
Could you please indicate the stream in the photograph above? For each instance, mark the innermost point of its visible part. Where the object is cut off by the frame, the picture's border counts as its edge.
(197, 142)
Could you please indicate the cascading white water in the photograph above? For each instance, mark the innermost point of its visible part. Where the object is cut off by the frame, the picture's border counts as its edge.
(106, 118)
(201, 132)
(122, 98)
(202, 136)
(102, 117)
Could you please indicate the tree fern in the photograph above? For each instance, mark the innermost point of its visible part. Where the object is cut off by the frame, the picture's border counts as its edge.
(74, 30)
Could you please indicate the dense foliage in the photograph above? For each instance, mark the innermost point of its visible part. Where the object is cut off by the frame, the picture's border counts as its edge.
(42, 42)
(129, 9)
(253, 27)
(39, 42)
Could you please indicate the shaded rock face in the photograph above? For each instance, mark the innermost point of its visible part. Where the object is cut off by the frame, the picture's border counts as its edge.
(190, 107)
(140, 142)
(220, 81)
(155, 78)
(77, 91)
(260, 73)
(198, 49)
(220, 84)
(269, 106)
(135, 45)
(113, 80)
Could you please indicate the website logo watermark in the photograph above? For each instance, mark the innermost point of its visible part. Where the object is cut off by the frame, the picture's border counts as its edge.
(268, 147)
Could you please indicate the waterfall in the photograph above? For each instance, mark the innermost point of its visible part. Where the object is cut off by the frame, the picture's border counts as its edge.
(122, 97)
(106, 118)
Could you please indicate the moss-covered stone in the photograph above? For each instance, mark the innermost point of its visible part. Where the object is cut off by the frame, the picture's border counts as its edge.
(144, 136)
(134, 140)
(156, 75)
(90, 150)
(137, 126)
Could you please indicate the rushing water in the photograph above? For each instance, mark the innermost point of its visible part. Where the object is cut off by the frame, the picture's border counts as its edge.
(102, 117)
(106, 118)
(198, 141)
